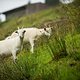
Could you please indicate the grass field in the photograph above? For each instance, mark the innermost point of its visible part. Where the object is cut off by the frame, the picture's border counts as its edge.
(56, 58)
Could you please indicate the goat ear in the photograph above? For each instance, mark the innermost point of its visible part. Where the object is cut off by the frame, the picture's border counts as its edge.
(16, 31)
(24, 31)
(45, 29)
(18, 28)
(22, 27)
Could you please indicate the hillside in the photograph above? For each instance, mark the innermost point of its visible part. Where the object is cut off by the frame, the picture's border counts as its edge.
(56, 58)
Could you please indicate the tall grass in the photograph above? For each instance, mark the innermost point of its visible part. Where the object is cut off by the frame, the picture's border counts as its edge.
(54, 58)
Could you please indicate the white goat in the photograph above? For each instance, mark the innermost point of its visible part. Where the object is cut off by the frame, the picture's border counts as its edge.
(12, 45)
(32, 34)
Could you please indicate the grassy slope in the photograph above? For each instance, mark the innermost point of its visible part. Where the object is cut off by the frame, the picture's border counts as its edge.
(27, 21)
(47, 62)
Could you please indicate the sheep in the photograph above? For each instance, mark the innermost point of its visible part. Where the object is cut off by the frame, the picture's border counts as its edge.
(32, 34)
(12, 45)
